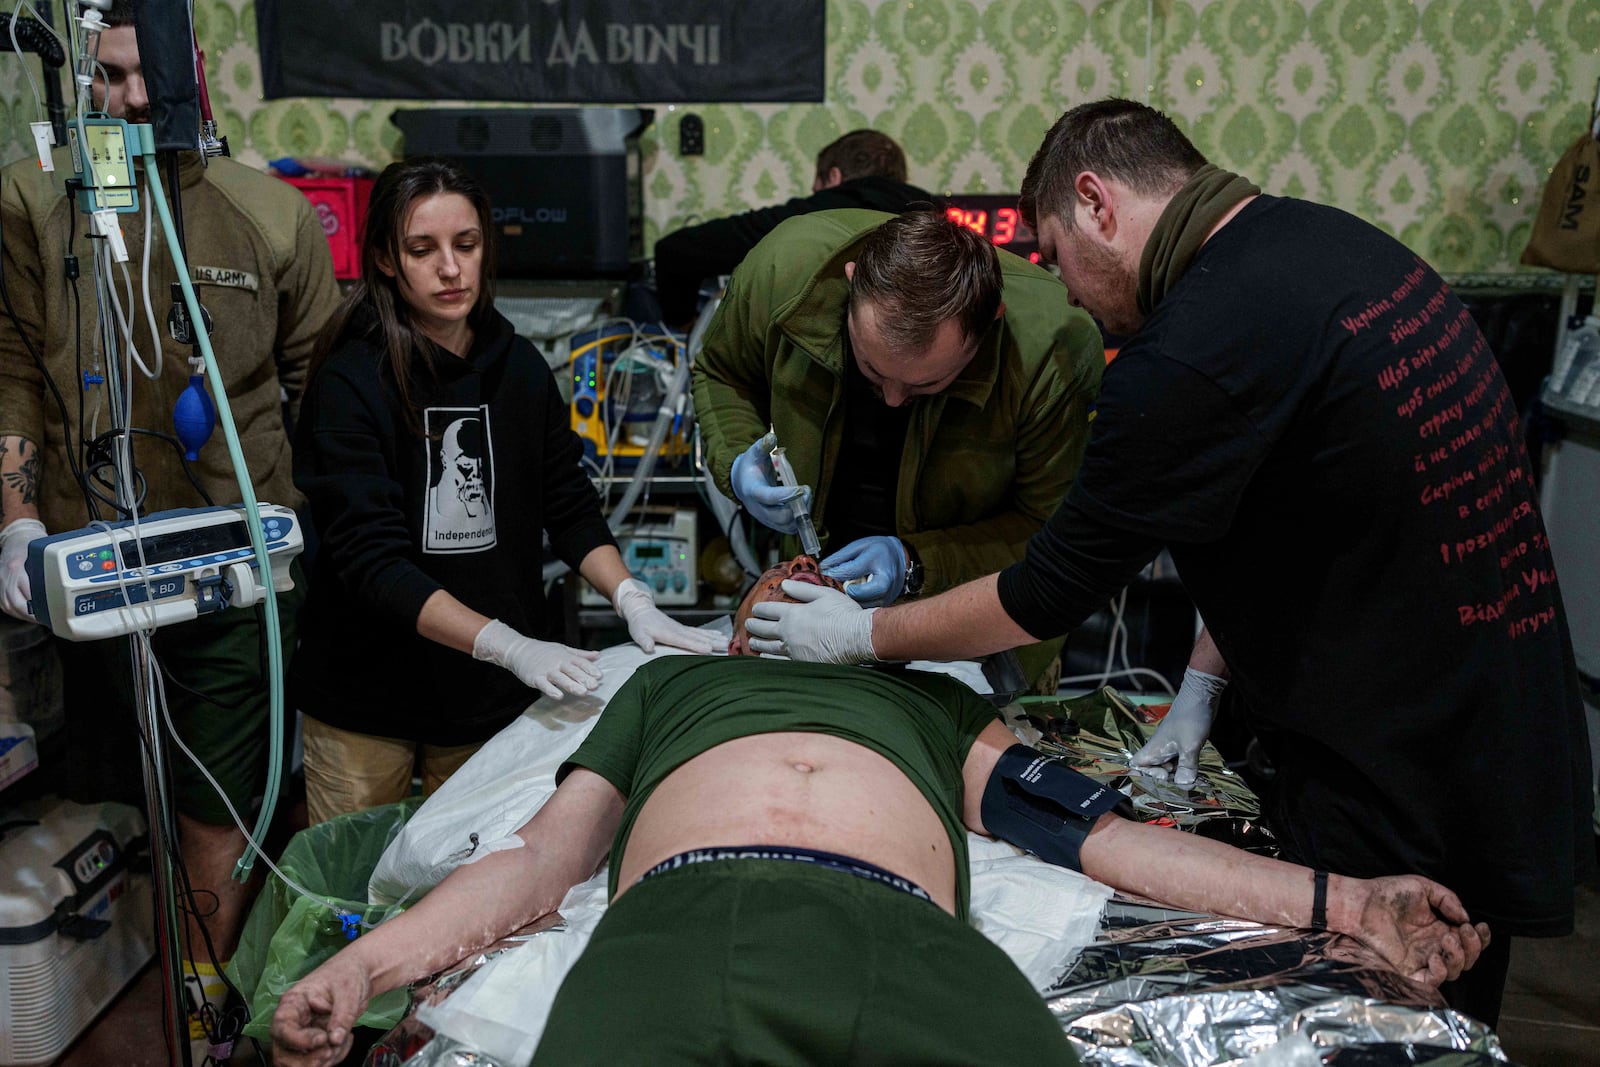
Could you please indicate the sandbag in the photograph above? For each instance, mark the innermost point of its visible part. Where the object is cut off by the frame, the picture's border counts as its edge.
(1566, 233)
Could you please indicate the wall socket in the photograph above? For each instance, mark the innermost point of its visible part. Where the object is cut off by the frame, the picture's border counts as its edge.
(691, 136)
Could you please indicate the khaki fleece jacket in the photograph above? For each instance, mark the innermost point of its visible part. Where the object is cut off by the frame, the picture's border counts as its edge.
(985, 462)
(262, 270)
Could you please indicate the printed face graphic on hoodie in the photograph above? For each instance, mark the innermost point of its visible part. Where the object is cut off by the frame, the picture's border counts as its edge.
(460, 514)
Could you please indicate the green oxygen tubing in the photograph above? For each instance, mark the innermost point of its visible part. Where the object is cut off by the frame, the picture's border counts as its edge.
(230, 433)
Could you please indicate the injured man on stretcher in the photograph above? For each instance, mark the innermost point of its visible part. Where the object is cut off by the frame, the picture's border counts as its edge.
(789, 877)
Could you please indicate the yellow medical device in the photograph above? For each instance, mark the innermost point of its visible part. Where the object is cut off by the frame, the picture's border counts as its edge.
(618, 389)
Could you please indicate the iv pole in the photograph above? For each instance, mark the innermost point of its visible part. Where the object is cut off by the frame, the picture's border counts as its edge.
(141, 142)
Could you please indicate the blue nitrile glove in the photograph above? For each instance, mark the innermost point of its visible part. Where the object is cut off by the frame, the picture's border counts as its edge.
(753, 479)
(1183, 730)
(880, 563)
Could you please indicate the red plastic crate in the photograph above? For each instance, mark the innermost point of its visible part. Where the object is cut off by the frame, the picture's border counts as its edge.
(341, 205)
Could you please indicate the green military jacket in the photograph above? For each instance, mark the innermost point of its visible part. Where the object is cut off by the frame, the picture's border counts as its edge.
(985, 462)
(261, 268)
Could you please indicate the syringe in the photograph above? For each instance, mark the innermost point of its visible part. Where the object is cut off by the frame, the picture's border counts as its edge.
(800, 504)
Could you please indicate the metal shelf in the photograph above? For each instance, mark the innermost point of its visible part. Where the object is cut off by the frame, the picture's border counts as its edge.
(605, 618)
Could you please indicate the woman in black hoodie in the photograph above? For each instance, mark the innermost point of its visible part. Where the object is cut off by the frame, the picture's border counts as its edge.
(435, 452)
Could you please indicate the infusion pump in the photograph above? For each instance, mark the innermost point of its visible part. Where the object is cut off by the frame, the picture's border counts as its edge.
(105, 581)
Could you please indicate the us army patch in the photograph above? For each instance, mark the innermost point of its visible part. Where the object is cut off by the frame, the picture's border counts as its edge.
(226, 277)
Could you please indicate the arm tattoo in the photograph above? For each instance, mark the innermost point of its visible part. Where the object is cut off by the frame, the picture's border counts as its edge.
(25, 479)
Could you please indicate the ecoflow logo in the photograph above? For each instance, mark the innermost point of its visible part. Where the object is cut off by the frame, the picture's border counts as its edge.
(517, 215)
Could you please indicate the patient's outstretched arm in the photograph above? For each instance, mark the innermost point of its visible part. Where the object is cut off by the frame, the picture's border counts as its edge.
(1418, 926)
(474, 906)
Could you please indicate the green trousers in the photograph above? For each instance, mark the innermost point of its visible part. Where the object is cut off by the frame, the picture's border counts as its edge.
(775, 963)
(219, 698)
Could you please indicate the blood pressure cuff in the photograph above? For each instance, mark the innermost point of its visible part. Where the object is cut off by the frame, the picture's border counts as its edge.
(1038, 803)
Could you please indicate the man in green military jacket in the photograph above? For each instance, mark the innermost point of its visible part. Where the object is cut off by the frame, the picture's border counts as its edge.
(933, 392)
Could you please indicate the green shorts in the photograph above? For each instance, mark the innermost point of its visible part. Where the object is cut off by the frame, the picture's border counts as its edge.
(219, 698)
(761, 961)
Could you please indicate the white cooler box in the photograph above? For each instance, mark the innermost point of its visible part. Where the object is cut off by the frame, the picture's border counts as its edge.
(75, 923)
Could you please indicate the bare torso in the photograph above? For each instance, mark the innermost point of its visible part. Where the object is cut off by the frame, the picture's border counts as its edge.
(804, 790)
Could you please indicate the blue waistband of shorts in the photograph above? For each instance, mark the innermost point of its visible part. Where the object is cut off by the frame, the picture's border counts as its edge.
(831, 861)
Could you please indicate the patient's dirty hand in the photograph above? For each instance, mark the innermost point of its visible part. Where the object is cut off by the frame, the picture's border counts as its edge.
(315, 1018)
(648, 625)
(825, 627)
(1418, 926)
(543, 665)
(1183, 730)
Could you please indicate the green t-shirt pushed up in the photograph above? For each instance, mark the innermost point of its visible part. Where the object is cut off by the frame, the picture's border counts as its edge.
(673, 709)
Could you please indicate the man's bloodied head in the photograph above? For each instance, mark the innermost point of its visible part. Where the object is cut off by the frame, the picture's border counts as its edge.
(770, 587)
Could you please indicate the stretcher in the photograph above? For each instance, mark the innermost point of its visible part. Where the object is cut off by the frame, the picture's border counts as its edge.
(1131, 983)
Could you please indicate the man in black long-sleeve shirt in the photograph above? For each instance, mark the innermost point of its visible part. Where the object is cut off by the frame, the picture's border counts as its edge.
(864, 168)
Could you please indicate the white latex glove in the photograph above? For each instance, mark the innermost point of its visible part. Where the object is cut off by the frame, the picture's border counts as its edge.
(825, 627)
(648, 624)
(14, 590)
(1183, 730)
(543, 665)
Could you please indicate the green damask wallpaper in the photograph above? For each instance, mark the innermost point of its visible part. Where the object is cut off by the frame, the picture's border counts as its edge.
(1436, 119)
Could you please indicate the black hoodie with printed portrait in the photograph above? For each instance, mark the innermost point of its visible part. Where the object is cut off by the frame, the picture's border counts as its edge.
(463, 507)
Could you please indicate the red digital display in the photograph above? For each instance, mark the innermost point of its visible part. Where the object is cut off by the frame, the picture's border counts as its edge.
(997, 218)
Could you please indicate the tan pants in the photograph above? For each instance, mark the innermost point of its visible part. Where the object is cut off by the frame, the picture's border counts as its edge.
(346, 771)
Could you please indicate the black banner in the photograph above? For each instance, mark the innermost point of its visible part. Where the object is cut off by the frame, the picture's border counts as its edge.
(550, 51)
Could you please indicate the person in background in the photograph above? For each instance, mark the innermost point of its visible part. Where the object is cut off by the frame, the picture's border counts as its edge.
(864, 169)
(934, 393)
(1312, 423)
(261, 267)
(436, 454)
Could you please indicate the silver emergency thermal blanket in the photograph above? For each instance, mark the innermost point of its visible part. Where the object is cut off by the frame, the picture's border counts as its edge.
(1166, 988)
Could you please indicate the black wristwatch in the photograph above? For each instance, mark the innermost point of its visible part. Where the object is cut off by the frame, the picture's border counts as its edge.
(914, 572)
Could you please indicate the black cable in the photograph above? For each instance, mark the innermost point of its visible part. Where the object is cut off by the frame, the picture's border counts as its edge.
(189, 473)
(226, 705)
(100, 447)
(31, 37)
(212, 1022)
(147, 751)
(92, 479)
(215, 1024)
(99, 458)
(71, 265)
(727, 530)
(95, 482)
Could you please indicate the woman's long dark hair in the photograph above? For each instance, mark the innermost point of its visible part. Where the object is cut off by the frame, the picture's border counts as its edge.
(374, 303)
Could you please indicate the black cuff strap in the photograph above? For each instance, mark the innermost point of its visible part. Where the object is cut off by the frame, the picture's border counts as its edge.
(1038, 803)
(1319, 900)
